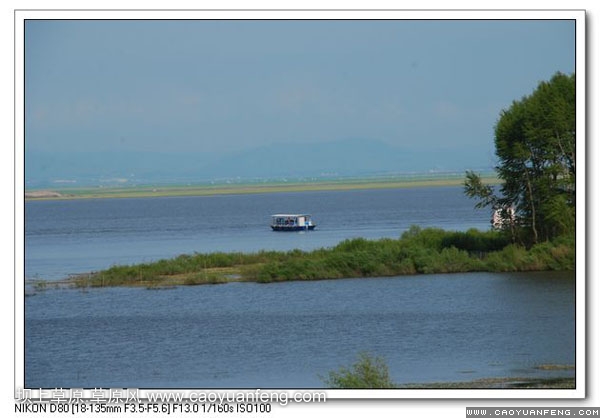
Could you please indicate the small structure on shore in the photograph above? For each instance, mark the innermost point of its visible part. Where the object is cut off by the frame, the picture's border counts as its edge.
(503, 217)
(292, 222)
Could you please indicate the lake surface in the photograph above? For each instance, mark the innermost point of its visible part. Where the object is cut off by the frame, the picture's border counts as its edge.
(280, 335)
(76, 236)
(284, 335)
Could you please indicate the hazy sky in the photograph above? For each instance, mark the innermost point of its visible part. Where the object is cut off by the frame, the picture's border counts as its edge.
(220, 86)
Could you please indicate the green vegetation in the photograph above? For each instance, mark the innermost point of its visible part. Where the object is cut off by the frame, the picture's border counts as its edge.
(368, 372)
(423, 180)
(417, 251)
(535, 146)
(40, 285)
(371, 372)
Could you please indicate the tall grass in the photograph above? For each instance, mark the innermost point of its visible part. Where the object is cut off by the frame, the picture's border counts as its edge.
(418, 250)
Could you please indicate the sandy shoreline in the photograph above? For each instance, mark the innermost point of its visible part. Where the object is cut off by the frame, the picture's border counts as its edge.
(42, 194)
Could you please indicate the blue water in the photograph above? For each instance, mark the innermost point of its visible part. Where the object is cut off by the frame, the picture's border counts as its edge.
(285, 335)
(281, 335)
(70, 237)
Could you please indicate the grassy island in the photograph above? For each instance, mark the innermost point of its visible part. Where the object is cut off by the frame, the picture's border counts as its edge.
(417, 251)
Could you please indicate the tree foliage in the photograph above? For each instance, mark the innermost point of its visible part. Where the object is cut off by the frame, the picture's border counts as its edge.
(535, 147)
(474, 187)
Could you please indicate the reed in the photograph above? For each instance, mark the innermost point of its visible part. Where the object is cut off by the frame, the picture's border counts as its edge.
(417, 251)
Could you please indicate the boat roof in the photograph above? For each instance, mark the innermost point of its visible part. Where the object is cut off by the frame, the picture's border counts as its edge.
(289, 215)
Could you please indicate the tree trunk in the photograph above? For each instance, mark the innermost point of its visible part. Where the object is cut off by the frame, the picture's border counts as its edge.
(532, 204)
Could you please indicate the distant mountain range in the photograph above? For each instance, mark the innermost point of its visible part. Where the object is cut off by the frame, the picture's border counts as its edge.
(336, 158)
(349, 157)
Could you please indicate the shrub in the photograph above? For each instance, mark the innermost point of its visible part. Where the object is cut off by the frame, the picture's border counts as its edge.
(476, 241)
(368, 372)
(453, 260)
(428, 237)
(512, 258)
(354, 244)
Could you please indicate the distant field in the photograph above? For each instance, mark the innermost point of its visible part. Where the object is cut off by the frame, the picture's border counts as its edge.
(245, 188)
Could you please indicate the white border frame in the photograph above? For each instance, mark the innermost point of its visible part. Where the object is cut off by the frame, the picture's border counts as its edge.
(578, 15)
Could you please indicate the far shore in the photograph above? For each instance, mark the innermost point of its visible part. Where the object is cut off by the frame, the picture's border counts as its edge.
(247, 188)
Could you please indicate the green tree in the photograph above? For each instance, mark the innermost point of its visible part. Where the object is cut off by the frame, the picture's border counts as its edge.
(535, 146)
(368, 372)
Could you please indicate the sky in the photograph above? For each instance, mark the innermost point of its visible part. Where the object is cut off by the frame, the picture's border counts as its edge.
(214, 88)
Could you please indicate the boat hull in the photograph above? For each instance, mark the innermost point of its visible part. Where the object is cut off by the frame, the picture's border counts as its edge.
(292, 228)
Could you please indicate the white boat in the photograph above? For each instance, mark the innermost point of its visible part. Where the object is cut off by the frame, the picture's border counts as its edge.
(292, 222)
